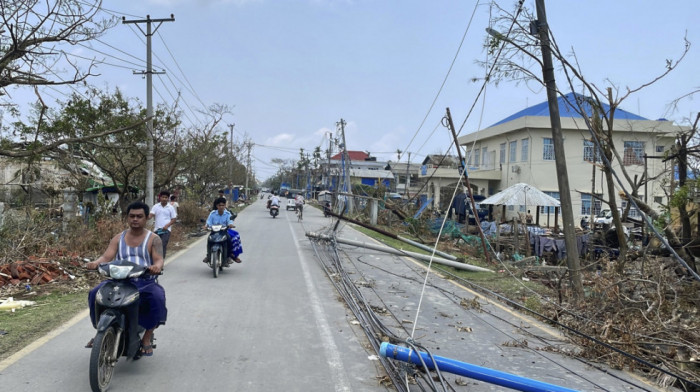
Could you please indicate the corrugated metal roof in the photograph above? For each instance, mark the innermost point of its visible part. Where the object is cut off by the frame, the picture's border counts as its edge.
(566, 109)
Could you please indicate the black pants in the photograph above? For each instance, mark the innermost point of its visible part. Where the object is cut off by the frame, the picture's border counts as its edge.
(164, 238)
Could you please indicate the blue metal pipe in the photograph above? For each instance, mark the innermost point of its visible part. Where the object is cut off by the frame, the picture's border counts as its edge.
(468, 370)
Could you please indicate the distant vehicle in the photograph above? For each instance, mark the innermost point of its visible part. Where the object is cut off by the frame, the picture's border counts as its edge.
(291, 204)
(605, 217)
(394, 196)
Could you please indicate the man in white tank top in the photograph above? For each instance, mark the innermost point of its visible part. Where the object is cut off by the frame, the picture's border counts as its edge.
(142, 247)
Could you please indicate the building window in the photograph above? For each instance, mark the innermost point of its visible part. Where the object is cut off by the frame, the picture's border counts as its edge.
(586, 208)
(591, 153)
(524, 149)
(476, 157)
(503, 153)
(513, 150)
(633, 153)
(633, 213)
(545, 210)
(548, 149)
(484, 157)
(659, 148)
(658, 199)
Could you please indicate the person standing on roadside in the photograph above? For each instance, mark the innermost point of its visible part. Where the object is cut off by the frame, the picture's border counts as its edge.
(174, 203)
(165, 217)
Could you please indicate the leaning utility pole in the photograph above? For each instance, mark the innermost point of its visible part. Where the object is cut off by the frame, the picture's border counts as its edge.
(465, 177)
(149, 97)
(567, 214)
(347, 187)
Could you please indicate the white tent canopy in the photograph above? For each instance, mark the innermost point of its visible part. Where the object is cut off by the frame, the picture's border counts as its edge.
(522, 195)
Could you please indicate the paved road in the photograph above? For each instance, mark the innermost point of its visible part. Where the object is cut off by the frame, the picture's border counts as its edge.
(272, 323)
(275, 322)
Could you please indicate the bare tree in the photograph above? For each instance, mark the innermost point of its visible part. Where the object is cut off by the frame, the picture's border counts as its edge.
(31, 32)
(33, 35)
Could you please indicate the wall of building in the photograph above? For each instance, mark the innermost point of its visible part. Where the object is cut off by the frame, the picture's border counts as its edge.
(541, 173)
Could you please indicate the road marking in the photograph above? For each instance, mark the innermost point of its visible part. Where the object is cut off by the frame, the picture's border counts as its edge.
(330, 349)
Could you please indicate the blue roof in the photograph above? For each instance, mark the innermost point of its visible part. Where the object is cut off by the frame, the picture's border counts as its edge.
(567, 110)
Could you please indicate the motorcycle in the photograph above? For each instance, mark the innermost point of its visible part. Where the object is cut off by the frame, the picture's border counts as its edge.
(327, 209)
(274, 211)
(217, 248)
(117, 314)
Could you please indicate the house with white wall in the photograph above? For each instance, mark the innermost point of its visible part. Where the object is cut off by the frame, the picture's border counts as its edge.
(519, 149)
(361, 167)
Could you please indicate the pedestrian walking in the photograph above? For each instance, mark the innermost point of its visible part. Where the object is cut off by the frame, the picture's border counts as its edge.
(165, 217)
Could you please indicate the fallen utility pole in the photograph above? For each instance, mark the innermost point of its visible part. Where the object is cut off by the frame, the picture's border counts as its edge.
(393, 236)
(420, 256)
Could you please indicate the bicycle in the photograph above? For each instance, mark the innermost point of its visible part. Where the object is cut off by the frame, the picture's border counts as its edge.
(300, 213)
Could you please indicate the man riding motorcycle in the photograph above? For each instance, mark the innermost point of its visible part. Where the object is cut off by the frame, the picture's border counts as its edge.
(130, 245)
(274, 201)
(221, 216)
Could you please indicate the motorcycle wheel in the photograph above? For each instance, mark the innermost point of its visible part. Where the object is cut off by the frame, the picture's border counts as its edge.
(216, 262)
(101, 361)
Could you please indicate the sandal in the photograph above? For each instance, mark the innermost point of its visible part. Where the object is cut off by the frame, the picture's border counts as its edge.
(89, 344)
(143, 351)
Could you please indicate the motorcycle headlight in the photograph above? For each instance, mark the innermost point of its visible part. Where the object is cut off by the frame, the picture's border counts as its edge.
(119, 271)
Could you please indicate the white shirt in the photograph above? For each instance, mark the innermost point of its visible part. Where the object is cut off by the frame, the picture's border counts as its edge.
(299, 199)
(275, 201)
(163, 215)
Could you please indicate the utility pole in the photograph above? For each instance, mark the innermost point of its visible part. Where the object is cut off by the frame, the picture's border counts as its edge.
(230, 151)
(249, 144)
(469, 187)
(567, 213)
(150, 200)
(330, 152)
(347, 187)
(408, 176)
(308, 177)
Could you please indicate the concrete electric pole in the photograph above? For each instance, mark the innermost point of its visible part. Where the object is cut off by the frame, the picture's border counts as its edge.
(567, 213)
(230, 151)
(347, 187)
(150, 199)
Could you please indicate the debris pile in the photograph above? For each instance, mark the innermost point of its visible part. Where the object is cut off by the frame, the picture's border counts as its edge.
(35, 272)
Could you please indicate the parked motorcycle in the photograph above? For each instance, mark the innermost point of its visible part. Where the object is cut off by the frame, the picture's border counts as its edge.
(217, 248)
(117, 315)
(327, 209)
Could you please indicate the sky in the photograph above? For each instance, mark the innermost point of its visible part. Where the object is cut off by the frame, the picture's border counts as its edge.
(292, 69)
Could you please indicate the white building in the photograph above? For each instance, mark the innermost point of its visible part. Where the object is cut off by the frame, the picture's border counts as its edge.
(520, 149)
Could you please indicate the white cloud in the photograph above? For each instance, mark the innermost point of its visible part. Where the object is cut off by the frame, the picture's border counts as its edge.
(283, 139)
